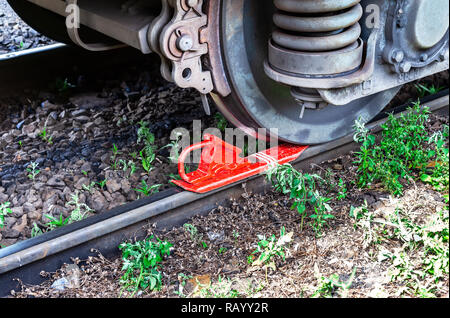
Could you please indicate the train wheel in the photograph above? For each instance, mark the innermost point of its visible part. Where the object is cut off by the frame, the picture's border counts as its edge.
(257, 101)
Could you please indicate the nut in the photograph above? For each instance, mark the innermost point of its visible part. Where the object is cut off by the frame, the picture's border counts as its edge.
(405, 67)
(398, 56)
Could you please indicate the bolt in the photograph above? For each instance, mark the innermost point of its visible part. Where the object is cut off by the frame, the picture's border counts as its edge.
(423, 57)
(443, 55)
(185, 42)
(192, 3)
(398, 56)
(405, 67)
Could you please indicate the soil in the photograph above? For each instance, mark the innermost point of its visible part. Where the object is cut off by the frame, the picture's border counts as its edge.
(231, 235)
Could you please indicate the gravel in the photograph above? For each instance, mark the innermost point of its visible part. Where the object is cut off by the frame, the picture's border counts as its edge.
(82, 124)
(15, 34)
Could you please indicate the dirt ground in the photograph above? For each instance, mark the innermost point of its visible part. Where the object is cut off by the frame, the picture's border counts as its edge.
(221, 268)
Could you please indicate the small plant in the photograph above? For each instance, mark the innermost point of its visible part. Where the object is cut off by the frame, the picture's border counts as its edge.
(36, 230)
(424, 90)
(115, 153)
(174, 149)
(63, 86)
(102, 184)
(222, 250)
(80, 211)
(89, 187)
(328, 286)
(193, 232)
(439, 178)
(127, 166)
(147, 153)
(147, 190)
(271, 248)
(56, 223)
(363, 219)
(4, 210)
(342, 190)
(401, 151)
(222, 123)
(44, 136)
(303, 189)
(141, 263)
(32, 170)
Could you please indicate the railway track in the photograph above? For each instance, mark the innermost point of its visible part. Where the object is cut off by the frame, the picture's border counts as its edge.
(104, 232)
(36, 68)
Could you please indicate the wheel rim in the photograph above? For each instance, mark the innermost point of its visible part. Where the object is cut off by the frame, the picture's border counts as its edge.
(257, 101)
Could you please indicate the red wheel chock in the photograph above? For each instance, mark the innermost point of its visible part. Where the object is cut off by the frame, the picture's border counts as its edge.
(220, 164)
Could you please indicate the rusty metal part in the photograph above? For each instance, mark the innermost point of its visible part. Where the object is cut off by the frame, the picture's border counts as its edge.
(330, 82)
(211, 36)
(258, 101)
(308, 98)
(153, 38)
(185, 25)
(329, 41)
(314, 6)
(343, 19)
(316, 64)
(315, 39)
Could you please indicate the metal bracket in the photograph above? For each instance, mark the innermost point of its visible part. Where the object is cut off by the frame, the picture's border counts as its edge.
(179, 43)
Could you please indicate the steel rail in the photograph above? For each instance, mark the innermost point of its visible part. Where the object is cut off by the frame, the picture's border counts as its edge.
(37, 68)
(38, 50)
(104, 232)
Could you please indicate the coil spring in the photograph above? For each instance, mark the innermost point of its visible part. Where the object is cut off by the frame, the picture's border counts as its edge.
(317, 25)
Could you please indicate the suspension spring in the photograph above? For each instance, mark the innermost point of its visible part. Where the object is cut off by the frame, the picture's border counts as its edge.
(317, 26)
(311, 32)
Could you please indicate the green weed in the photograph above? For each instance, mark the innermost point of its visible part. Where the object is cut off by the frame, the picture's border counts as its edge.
(328, 286)
(80, 210)
(269, 249)
(424, 90)
(45, 137)
(56, 223)
(147, 190)
(32, 170)
(147, 139)
(401, 151)
(4, 210)
(439, 178)
(303, 190)
(141, 263)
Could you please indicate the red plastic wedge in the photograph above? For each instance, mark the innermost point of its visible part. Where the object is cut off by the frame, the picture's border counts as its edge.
(220, 164)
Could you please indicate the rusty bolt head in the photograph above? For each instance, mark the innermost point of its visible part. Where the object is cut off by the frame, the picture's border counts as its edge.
(398, 56)
(405, 67)
(185, 43)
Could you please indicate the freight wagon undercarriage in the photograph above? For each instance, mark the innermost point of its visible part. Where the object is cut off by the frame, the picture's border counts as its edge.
(308, 68)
